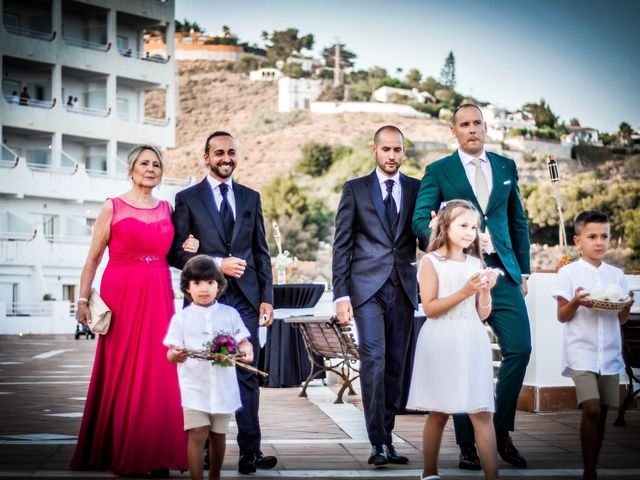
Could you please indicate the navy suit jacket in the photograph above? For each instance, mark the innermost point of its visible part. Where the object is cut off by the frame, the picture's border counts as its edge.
(196, 213)
(364, 249)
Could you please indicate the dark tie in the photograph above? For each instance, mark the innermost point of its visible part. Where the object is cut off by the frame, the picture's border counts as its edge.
(390, 208)
(225, 212)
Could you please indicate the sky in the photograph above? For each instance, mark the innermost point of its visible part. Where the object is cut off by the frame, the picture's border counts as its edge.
(581, 56)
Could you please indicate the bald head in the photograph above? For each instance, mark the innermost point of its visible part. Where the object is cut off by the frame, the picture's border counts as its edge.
(462, 107)
(386, 128)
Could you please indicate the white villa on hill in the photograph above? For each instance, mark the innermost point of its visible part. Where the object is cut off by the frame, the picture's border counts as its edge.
(59, 160)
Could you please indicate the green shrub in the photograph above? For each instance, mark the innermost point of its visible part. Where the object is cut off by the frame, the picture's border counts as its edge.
(316, 159)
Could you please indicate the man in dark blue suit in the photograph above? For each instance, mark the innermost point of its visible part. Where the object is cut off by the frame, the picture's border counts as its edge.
(374, 282)
(226, 218)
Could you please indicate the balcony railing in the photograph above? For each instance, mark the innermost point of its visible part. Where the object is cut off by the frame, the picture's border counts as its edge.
(18, 236)
(29, 102)
(161, 122)
(96, 112)
(106, 174)
(8, 158)
(67, 239)
(78, 42)
(130, 53)
(46, 167)
(31, 309)
(27, 32)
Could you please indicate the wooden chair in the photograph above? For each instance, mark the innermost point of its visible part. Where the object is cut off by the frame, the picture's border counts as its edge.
(631, 355)
(325, 337)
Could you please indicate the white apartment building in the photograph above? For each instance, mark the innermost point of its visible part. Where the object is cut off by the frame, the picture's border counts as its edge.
(297, 93)
(59, 161)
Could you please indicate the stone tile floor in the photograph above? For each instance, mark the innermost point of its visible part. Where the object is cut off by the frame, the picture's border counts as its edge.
(43, 383)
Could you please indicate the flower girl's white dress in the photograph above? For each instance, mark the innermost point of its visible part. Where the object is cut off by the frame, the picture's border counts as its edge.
(452, 369)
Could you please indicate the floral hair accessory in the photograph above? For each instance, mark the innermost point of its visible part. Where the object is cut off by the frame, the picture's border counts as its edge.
(442, 206)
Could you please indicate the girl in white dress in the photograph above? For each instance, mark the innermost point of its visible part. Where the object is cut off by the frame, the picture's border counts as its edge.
(453, 370)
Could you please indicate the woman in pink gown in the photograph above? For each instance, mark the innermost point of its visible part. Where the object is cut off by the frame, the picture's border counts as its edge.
(132, 422)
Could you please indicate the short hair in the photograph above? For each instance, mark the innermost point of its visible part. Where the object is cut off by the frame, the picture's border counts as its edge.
(393, 128)
(589, 216)
(465, 105)
(440, 232)
(201, 267)
(217, 133)
(135, 152)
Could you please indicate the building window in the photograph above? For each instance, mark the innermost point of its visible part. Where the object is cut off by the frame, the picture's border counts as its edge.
(90, 222)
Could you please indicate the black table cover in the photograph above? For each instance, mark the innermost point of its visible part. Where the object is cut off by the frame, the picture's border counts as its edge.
(284, 355)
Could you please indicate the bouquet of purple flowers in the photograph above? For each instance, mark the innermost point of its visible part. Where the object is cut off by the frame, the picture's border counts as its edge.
(223, 349)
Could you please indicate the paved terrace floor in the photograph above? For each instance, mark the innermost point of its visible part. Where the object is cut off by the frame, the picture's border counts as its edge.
(43, 384)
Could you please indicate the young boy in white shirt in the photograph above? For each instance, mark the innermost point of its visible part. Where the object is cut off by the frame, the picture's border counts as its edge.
(591, 350)
(210, 394)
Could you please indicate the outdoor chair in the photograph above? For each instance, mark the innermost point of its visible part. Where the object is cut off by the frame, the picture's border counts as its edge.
(631, 355)
(326, 338)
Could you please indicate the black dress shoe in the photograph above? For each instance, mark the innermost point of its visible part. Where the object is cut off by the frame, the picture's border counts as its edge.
(468, 459)
(509, 453)
(394, 457)
(247, 463)
(378, 456)
(265, 462)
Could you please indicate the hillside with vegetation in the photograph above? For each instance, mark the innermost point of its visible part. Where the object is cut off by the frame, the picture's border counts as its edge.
(300, 160)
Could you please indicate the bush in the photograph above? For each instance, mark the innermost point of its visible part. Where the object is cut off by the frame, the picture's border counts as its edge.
(316, 159)
(303, 222)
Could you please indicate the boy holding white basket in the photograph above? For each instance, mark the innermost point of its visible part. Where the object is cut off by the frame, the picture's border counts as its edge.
(592, 303)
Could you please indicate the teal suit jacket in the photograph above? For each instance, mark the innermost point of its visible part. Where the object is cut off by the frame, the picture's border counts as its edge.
(446, 180)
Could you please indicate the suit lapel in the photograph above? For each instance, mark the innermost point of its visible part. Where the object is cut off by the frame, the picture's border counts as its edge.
(498, 176)
(404, 202)
(204, 189)
(240, 197)
(457, 177)
(376, 198)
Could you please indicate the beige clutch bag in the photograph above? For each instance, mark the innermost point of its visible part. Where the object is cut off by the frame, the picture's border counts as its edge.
(100, 314)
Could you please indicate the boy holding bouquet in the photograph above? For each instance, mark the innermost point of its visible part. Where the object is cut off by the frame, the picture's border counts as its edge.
(209, 390)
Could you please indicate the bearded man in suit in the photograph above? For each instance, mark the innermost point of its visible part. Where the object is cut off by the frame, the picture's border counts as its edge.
(490, 182)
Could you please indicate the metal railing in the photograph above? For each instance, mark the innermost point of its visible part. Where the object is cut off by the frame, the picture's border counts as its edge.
(130, 53)
(66, 239)
(8, 158)
(30, 102)
(18, 236)
(29, 309)
(27, 32)
(96, 112)
(78, 42)
(106, 174)
(47, 167)
(161, 122)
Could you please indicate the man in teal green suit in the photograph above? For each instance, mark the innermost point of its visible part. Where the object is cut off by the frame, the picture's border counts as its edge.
(490, 182)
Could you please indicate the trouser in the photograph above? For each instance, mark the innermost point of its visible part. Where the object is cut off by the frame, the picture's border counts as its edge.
(384, 324)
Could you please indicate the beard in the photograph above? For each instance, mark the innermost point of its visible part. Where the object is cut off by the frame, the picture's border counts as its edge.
(223, 171)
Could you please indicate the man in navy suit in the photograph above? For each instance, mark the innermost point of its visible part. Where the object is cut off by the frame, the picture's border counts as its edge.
(374, 282)
(226, 218)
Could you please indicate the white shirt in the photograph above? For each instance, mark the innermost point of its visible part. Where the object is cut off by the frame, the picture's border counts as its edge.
(470, 168)
(204, 387)
(591, 339)
(396, 192)
(217, 196)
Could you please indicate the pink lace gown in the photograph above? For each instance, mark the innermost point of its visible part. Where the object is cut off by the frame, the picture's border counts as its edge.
(132, 420)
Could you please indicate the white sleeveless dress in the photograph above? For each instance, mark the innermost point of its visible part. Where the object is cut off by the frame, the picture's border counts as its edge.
(452, 368)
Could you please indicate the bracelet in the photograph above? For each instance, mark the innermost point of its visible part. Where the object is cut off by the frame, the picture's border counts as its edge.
(82, 300)
(484, 306)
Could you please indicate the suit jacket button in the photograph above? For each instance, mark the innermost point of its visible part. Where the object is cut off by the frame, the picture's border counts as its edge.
(486, 218)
